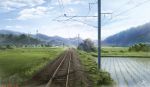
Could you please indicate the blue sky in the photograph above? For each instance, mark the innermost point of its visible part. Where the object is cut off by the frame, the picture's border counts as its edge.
(45, 15)
(30, 15)
(125, 14)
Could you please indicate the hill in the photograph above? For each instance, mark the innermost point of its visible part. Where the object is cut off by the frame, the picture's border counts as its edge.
(18, 40)
(10, 32)
(140, 34)
(57, 40)
(36, 38)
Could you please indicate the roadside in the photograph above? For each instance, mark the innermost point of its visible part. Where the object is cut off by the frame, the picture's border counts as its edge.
(99, 78)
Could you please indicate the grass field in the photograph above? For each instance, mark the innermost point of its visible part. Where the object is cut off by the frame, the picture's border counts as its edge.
(122, 52)
(22, 63)
(99, 78)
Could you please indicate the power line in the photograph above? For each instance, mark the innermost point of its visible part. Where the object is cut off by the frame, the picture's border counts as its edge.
(88, 11)
(139, 4)
(77, 21)
(60, 2)
(80, 16)
(121, 6)
(91, 4)
(71, 18)
(85, 23)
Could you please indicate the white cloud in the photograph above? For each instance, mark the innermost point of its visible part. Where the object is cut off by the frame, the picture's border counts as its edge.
(69, 30)
(13, 4)
(32, 13)
(65, 2)
(14, 26)
(7, 27)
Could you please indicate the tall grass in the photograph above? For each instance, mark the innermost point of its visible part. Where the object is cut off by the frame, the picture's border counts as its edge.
(21, 63)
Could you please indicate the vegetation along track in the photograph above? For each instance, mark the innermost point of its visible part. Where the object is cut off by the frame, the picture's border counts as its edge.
(65, 71)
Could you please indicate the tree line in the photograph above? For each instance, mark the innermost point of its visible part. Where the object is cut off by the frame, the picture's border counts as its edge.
(140, 47)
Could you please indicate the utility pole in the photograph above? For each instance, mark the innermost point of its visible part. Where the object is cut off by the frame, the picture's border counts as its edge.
(99, 34)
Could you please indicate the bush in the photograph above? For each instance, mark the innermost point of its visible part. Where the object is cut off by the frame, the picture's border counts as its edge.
(121, 51)
(87, 46)
(140, 47)
(104, 78)
(8, 47)
(2, 48)
(98, 77)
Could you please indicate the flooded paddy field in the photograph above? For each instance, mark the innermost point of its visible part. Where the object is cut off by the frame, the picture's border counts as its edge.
(128, 72)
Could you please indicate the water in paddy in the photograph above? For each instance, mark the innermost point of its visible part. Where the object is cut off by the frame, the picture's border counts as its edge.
(128, 72)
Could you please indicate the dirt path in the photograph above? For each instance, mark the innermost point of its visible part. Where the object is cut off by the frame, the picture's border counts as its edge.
(65, 71)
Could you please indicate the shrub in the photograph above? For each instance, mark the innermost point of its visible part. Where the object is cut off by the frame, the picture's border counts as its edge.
(87, 46)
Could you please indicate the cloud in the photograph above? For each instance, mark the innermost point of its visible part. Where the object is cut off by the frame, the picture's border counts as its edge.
(14, 4)
(32, 13)
(66, 2)
(69, 30)
(14, 26)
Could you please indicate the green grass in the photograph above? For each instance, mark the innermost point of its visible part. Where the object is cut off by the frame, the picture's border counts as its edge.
(22, 63)
(122, 52)
(98, 77)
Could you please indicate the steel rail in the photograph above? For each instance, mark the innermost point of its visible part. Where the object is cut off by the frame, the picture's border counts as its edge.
(67, 80)
(55, 72)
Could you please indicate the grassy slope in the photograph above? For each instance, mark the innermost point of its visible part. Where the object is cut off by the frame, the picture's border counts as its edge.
(122, 52)
(21, 63)
(98, 77)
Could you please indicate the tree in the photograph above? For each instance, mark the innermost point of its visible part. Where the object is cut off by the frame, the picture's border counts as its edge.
(87, 46)
(8, 47)
(140, 47)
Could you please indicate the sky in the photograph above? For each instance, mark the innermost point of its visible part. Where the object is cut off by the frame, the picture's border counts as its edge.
(61, 17)
(48, 17)
(125, 14)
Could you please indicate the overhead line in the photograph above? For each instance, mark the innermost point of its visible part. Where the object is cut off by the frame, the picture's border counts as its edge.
(60, 2)
(139, 4)
(121, 6)
(85, 23)
(78, 21)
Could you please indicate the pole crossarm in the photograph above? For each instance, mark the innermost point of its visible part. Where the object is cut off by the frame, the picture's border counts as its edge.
(65, 15)
(106, 13)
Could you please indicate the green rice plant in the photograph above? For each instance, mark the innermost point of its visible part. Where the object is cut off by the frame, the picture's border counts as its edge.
(22, 63)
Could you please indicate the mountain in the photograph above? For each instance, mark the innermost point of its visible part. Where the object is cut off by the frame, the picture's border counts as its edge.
(41, 37)
(140, 34)
(51, 40)
(10, 32)
(18, 40)
(57, 40)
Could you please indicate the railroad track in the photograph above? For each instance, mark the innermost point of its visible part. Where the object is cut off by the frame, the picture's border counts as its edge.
(64, 71)
(61, 75)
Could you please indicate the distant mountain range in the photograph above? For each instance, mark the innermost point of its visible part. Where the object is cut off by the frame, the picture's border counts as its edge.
(43, 39)
(57, 40)
(140, 34)
(10, 32)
